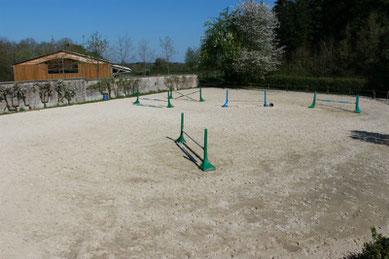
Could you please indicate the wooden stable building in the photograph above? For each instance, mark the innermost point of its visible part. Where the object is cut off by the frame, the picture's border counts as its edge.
(65, 65)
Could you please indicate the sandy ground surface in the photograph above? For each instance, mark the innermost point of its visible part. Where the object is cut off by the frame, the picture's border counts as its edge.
(105, 180)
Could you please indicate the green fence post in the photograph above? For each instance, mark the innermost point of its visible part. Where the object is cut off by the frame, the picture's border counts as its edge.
(201, 96)
(170, 95)
(181, 139)
(206, 165)
(169, 105)
(314, 101)
(357, 110)
(137, 96)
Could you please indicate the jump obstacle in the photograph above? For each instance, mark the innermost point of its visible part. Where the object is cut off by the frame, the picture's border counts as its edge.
(206, 165)
(187, 95)
(357, 110)
(137, 102)
(225, 105)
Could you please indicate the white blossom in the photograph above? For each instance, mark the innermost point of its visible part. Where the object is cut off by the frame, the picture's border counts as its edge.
(256, 24)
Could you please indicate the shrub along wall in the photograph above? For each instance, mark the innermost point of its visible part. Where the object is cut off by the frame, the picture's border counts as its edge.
(39, 94)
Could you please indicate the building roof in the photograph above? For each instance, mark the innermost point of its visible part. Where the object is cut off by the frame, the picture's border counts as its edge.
(63, 54)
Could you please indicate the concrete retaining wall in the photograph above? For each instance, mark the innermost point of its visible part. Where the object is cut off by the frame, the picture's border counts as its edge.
(39, 94)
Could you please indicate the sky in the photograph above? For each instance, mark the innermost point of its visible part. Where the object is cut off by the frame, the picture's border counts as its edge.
(181, 20)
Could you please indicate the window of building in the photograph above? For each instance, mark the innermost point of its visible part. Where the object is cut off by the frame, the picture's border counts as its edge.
(60, 66)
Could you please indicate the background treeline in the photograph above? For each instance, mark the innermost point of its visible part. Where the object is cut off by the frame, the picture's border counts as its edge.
(339, 46)
(325, 38)
(159, 67)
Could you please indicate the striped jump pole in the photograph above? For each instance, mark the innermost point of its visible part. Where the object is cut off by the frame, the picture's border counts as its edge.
(181, 139)
(149, 105)
(185, 95)
(265, 104)
(206, 165)
(137, 97)
(357, 110)
(314, 101)
(226, 104)
(190, 98)
(151, 99)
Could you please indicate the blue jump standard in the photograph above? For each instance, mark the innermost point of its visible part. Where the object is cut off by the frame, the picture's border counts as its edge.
(265, 104)
(226, 104)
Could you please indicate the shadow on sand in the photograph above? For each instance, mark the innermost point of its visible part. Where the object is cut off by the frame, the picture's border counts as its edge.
(188, 156)
(371, 137)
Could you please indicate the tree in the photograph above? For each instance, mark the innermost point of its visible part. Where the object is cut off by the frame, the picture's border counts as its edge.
(256, 24)
(192, 58)
(97, 45)
(26, 49)
(159, 65)
(124, 49)
(168, 50)
(6, 60)
(221, 44)
(145, 53)
(242, 42)
(64, 44)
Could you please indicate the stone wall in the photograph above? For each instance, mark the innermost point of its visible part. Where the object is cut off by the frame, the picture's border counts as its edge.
(16, 96)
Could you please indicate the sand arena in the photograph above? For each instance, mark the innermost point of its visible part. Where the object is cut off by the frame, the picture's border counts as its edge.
(105, 180)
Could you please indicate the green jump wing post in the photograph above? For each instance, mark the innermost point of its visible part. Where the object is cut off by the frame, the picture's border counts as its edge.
(137, 97)
(169, 105)
(206, 165)
(181, 139)
(357, 110)
(201, 96)
(314, 101)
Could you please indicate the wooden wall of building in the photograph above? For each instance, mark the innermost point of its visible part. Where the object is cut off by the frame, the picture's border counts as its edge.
(40, 72)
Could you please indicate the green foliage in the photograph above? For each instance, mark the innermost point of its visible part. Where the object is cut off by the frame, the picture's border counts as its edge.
(60, 91)
(159, 66)
(174, 81)
(376, 249)
(192, 59)
(221, 44)
(64, 92)
(14, 94)
(5, 60)
(104, 86)
(336, 38)
(128, 86)
(242, 42)
(18, 92)
(320, 84)
(45, 92)
(69, 94)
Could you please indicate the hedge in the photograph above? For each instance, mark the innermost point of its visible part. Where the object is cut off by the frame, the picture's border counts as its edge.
(319, 84)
